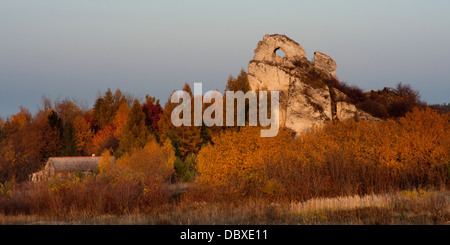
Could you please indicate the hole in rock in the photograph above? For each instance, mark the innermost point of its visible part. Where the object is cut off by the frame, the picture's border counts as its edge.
(279, 52)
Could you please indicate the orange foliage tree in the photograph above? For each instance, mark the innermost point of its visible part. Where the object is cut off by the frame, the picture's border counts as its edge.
(83, 136)
(27, 145)
(121, 119)
(104, 140)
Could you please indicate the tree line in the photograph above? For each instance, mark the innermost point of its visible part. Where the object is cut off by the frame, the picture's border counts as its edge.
(119, 123)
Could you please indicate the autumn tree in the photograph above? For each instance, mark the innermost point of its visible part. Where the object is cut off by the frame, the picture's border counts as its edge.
(134, 133)
(11, 158)
(424, 145)
(189, 136)
(104, 140)
(102, 121)
(121, 119)
(106, 106)
(48, 141)
(106, 161)
(186, 139)
(237, 161)
(407, 99)
(67, 110)
(339, 158)
(69, 141)
(83, 136)
(240, 83)
(92, 121)
(62, 117)
(2, 123)
(54, 120)
(28, 143)
(376, 105)
(207, 132)
(167, 130)
(152, 110)
(154, 161)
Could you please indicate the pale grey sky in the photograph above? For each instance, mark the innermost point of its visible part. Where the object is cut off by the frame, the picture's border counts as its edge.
(75, 48)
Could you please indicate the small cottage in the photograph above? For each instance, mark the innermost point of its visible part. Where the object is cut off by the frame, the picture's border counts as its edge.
(66, 167)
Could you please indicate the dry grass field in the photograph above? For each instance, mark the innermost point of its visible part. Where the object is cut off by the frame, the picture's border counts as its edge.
(418, 207)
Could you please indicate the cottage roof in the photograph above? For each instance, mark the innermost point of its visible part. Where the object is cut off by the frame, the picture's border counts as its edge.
(73, 163)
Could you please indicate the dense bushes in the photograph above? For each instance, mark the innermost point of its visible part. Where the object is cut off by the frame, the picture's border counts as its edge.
(185, 171)
(385, 103)
(236, 162)
(341, 158)
(391, 103)
(134, 182)
(409, 149)
(118, 192)
(153, 161)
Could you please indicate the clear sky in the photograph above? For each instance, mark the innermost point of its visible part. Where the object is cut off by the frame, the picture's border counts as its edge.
(75, 48)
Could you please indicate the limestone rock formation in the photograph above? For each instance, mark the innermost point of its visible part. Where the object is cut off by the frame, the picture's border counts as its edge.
(307, 95)
(325, 63)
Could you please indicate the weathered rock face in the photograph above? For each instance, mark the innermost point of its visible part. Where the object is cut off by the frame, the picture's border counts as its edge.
(270, 71)
(266, 50)
(306, 96)
(306, 105)
(325, 63)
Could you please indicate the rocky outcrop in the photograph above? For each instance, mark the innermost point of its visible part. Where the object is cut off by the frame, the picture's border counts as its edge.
(266, 50)
(325, 63)
(306, 105)
(307, 95)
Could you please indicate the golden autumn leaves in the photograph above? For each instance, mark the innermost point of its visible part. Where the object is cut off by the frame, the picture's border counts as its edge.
(341, 158)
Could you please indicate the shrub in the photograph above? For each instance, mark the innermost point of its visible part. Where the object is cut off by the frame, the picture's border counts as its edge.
(236, 162)
(375, 106)
(153, 161)
(134, 182)
(186, 170)
(6, 189)
(342, 158)
(118, 191)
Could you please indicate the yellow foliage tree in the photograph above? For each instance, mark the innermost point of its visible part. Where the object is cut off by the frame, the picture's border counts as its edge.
(236, 161)
(155, 162)
(121, 119)
(105, 161)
